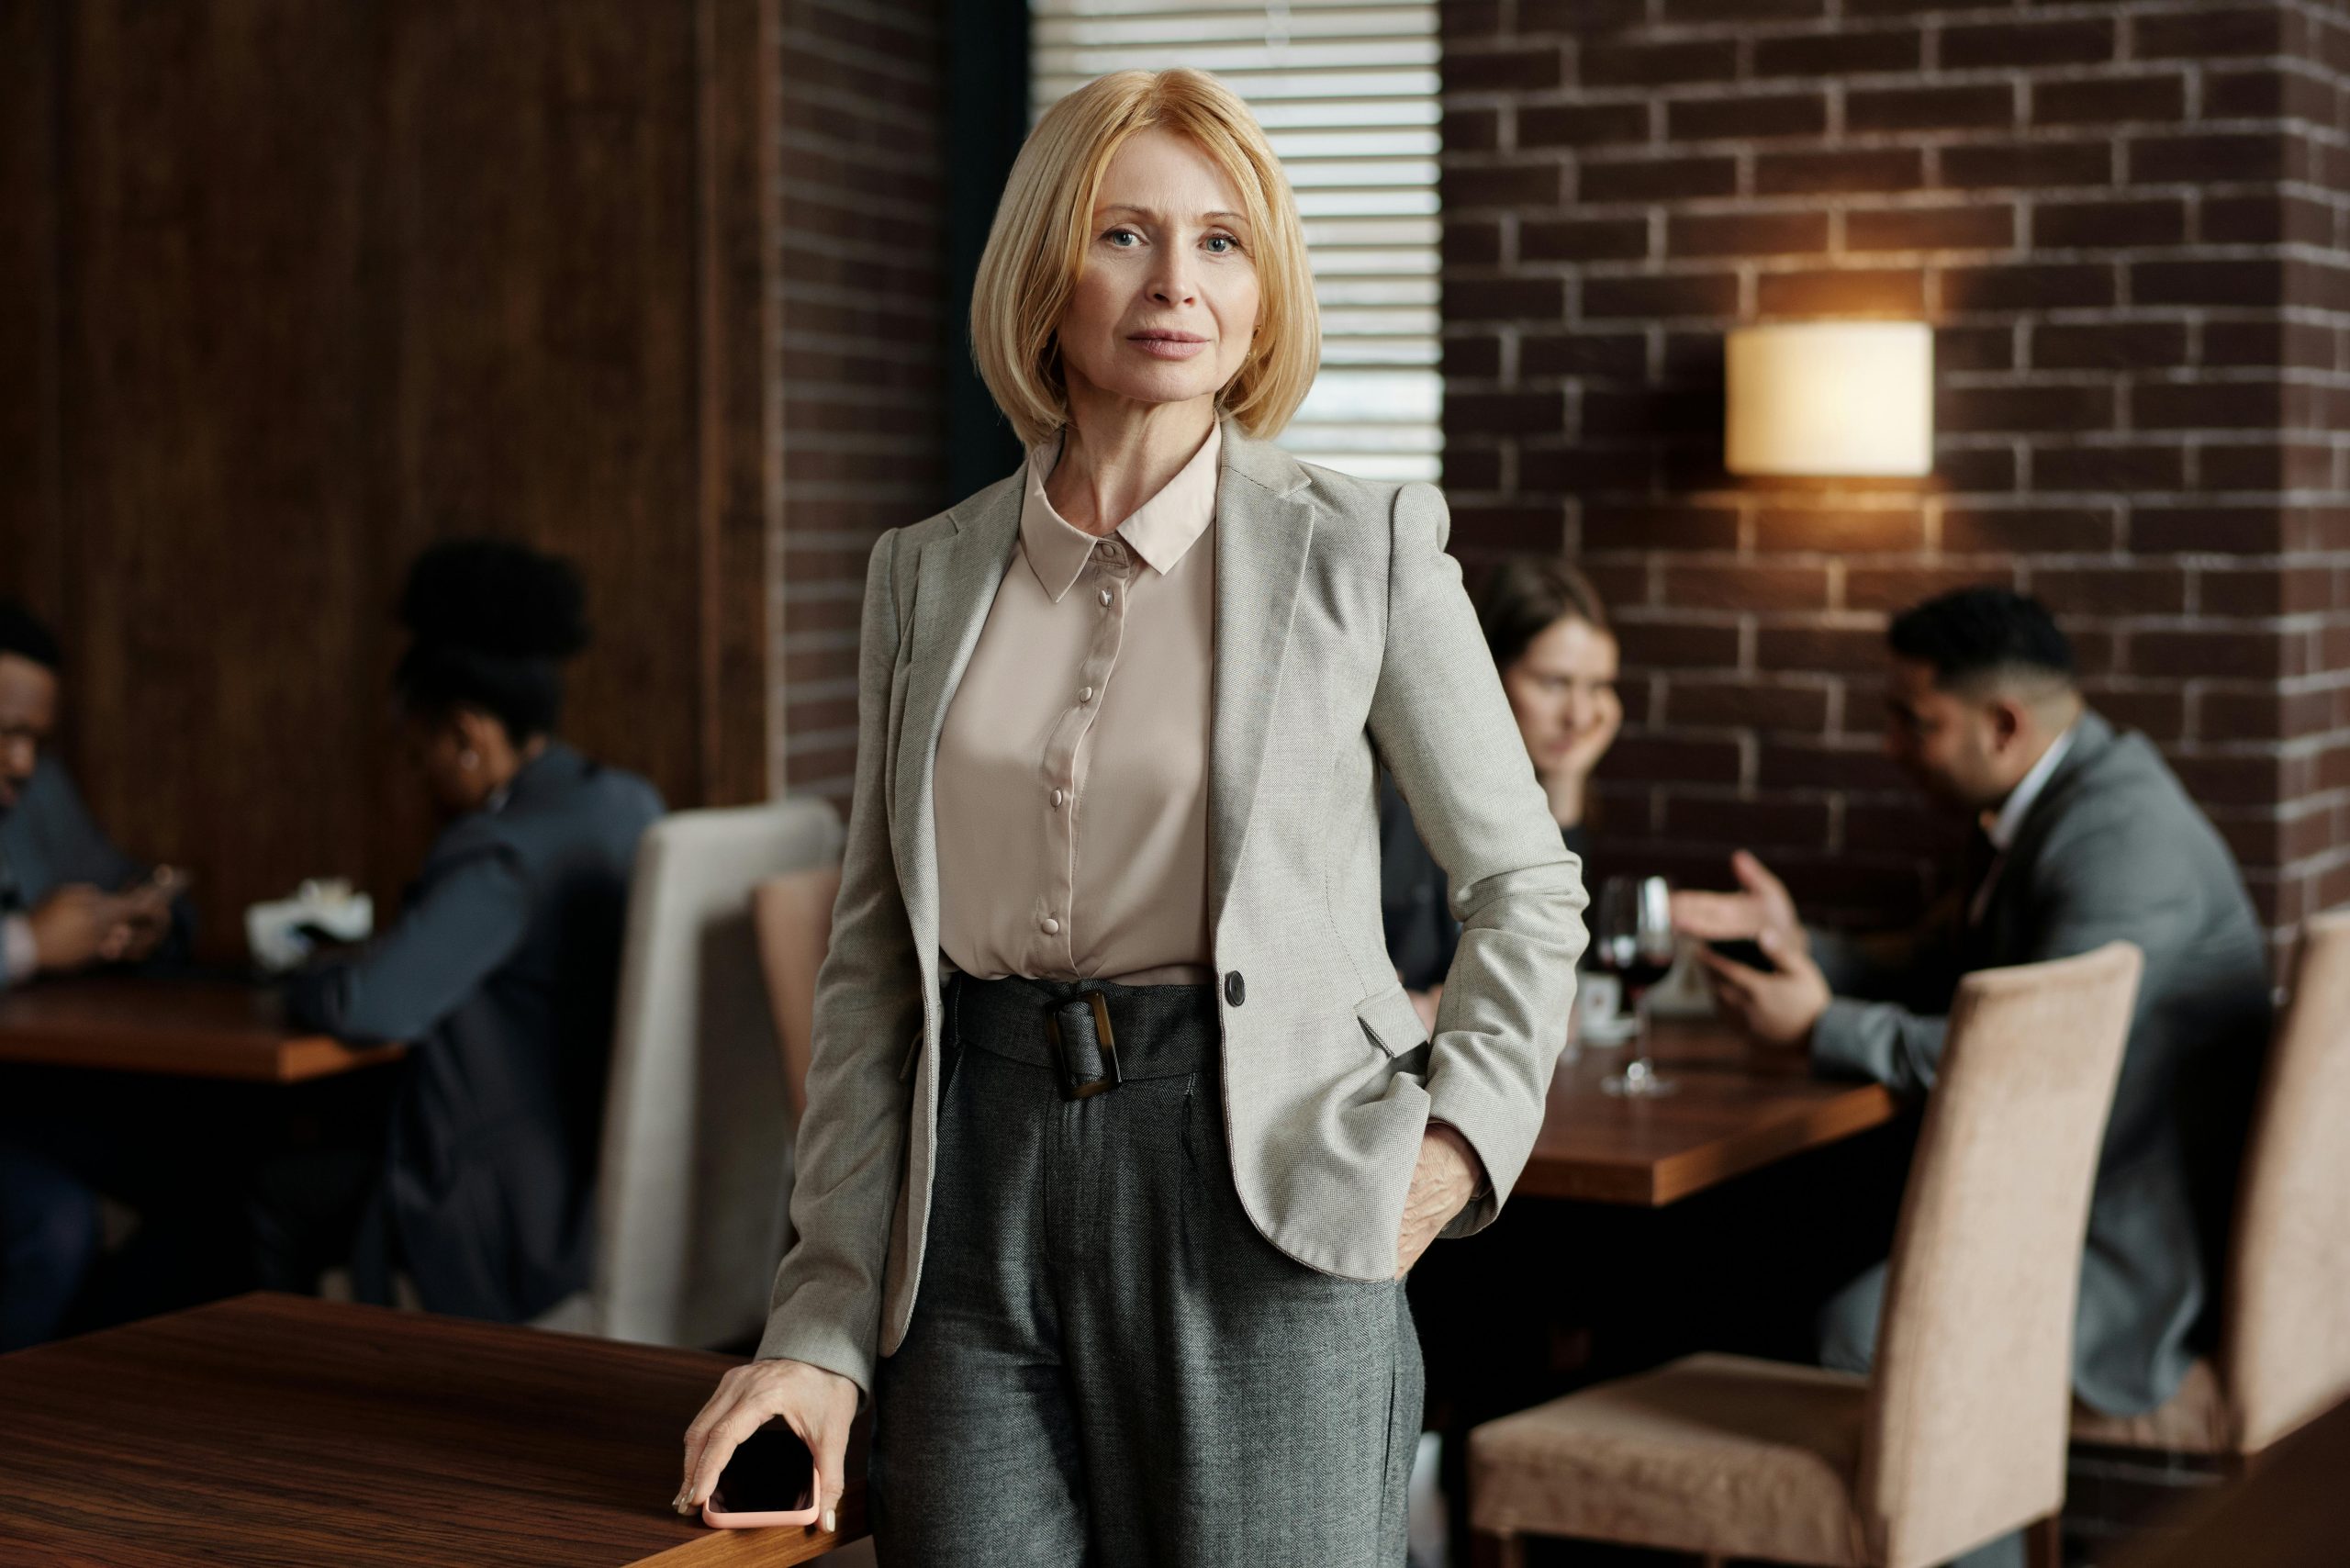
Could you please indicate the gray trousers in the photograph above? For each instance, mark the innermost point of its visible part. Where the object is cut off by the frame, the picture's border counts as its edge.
(1108, 1365)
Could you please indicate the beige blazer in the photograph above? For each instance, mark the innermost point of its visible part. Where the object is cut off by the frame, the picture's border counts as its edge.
(1342, 639)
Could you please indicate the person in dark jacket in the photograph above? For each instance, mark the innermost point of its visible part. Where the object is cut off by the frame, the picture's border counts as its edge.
(69, 899)
(500, 971)
(1550, 640)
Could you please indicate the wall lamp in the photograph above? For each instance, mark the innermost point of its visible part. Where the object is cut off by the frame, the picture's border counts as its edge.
(1829, 399)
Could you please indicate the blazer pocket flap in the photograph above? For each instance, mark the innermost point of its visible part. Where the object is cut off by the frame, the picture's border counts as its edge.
(1392, 1021)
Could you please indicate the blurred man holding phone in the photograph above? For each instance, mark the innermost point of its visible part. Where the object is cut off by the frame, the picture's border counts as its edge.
(68, 897)
(69, 900)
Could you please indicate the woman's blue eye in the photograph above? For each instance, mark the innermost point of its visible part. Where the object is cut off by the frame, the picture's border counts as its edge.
(1115, 235)
(1224, 240)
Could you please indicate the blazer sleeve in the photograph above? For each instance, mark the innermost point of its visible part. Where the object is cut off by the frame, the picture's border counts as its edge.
(1439, 720)
(2095, 889)
(457, 931)
(826, 1308)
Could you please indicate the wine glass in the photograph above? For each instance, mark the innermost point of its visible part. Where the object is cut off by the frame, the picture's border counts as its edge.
(1635, 944)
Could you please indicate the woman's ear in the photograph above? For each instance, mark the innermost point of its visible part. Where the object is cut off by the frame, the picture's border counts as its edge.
(480, 732)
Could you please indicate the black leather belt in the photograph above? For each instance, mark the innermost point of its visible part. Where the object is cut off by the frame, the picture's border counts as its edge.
(1092, 1034)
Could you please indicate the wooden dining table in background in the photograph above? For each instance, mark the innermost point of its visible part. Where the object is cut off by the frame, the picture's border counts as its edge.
(284, 1429)
(1738, 1109)
(176, 1027)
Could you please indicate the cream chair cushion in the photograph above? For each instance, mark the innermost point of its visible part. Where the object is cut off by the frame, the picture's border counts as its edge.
(1712, 1453)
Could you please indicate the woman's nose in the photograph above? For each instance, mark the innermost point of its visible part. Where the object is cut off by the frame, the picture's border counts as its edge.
(1174, 285)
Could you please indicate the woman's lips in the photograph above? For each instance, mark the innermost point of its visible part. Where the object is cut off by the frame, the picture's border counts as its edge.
(1168, 345)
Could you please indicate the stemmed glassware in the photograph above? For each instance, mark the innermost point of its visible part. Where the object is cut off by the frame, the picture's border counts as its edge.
(1633, 940)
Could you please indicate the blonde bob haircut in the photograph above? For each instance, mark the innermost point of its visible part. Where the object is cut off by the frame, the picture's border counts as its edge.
(1038, 242)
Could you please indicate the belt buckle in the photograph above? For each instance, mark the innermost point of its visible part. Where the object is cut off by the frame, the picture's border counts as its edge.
(1070, 1088)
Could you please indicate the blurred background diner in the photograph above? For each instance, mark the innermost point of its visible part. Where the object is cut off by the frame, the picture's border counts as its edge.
(1896, 454)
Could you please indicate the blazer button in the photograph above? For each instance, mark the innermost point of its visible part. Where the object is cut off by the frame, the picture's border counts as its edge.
(1235, 989)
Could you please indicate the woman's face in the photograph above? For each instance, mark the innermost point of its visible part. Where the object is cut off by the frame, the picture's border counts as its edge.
(1562, 689)
(1166, 299)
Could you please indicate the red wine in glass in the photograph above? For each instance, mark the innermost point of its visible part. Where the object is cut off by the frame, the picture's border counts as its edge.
(1635, 942)
(1634, 970)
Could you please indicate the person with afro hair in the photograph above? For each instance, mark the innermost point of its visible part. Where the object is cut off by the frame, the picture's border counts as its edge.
(476, 1178)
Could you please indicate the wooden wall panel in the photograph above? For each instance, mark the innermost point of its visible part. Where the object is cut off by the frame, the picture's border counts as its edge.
(336, 281)
(30, 40)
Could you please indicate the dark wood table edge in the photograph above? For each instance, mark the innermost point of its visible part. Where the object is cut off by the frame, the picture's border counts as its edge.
(773, 1547)
(1659, 1184)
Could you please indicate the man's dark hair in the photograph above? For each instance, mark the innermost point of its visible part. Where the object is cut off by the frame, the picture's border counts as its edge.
(493, 623)
(1977, 636)
(22, 634)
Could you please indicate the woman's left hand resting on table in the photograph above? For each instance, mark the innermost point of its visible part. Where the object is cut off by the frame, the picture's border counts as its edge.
(1442, 1183)
(816, 1403)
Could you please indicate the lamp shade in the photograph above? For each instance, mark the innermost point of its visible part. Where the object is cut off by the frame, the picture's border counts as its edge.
(1830, 399)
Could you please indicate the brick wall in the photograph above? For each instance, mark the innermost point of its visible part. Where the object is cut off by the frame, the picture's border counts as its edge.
(2125, 221)
(859, 444)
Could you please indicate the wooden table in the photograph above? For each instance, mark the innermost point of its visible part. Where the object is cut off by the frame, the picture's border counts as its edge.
(285, 1430)
(1737, 1109)
(187, 1029)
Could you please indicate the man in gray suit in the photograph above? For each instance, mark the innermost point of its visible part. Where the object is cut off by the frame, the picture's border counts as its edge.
(2082, 835)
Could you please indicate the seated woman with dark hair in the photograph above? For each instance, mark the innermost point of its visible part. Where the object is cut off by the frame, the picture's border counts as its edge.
(500, 971)
(1550, 640)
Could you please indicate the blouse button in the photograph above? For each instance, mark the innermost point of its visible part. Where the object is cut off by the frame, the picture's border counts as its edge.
(1052, 926)
(1105, 596)
(1057, 797)
(1086, 695)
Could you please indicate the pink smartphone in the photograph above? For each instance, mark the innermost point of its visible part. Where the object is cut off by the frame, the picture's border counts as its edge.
(771, 1480)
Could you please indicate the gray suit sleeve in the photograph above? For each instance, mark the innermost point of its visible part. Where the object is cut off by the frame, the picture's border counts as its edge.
(826, 1306)
(2087, 892)
(461, 926)
(1441, 721)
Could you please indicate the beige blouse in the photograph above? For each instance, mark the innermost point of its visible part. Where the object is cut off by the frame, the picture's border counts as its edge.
(1071, 783)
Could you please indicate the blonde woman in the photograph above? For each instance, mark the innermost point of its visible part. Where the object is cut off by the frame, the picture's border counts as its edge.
(1121, 1135)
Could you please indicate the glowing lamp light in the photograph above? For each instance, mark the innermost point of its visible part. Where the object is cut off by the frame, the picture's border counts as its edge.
(1831, 399)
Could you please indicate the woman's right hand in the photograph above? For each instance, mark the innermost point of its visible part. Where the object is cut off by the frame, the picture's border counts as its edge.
(816, 1404)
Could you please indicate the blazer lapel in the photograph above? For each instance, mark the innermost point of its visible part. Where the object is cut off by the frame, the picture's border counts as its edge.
(2003, 907)
(1264, 524)
(955, 584)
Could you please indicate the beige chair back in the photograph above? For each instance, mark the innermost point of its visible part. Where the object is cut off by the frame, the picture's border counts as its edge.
(1972, 1391)
(794, 917)
(2286, 1347)
(696, 1164)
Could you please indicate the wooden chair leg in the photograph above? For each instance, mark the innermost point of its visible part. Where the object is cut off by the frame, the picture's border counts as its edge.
(1487, 1550)
(2043, 1542)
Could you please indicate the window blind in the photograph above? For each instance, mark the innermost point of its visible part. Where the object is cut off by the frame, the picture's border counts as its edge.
(1347, 93)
